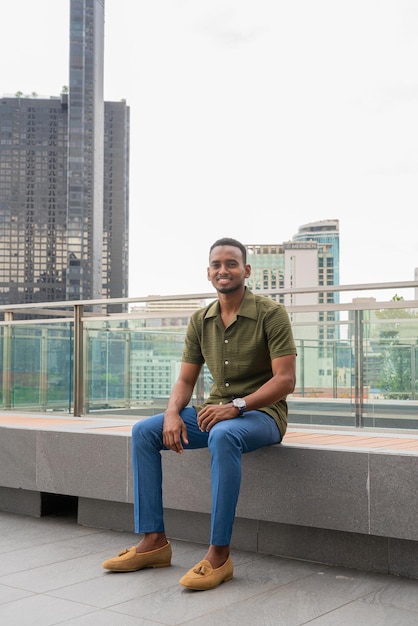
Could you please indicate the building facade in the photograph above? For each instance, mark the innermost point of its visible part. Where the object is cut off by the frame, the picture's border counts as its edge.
(64, 181)
(327, 234)
(310, 260)
(33, 199)
(115, 259)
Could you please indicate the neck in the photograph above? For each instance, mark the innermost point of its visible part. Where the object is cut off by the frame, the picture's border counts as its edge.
(231, 302)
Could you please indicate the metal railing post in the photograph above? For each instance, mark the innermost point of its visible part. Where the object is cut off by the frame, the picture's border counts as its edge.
(7, 361)
(127, 376)
(358, 368)
(301, 356)
(78, 366)
(43, 379)
(334, 371)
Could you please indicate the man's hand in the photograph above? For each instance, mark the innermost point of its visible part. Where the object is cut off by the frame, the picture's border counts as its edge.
(174, 432)
(211, 414)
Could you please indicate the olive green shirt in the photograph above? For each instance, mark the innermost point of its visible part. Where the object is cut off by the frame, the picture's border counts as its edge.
(239, 357)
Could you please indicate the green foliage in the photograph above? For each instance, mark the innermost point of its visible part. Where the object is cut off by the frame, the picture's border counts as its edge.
(387, 314)
(396, 363)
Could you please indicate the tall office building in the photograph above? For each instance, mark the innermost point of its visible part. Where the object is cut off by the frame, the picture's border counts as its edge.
(64, 181)
(33, 199)
(115, 269)
(85, 150)
(289, 264)
(267, 267)
(327, 234)
(310, 260)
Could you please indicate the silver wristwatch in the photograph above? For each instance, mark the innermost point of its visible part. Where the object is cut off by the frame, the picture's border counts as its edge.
(240, 404)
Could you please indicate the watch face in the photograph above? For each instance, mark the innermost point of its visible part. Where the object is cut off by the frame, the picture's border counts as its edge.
(239, 403)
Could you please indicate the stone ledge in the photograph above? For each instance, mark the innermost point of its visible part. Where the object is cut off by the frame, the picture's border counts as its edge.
(334, 505)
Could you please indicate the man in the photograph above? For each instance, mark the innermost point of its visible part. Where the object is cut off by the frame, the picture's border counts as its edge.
(247, 344)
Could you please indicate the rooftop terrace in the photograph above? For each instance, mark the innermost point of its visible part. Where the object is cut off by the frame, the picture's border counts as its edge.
(325, 523)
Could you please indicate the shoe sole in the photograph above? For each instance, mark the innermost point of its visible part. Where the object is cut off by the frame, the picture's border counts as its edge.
(225, 580)
(136, 569)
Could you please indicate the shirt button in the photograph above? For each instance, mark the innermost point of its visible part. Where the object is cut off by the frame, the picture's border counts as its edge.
(226, 362)
(226, 340)
(226, 384)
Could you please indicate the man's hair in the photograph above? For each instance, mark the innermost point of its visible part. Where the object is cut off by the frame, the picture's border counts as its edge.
(228, 241)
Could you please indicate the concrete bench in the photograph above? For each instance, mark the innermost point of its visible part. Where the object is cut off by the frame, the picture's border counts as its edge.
(343, 497)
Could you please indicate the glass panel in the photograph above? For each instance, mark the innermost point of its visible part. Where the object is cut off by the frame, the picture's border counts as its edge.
(355, 367)
(40, 365)
(26, 367)
(131, 367)
(390, 369)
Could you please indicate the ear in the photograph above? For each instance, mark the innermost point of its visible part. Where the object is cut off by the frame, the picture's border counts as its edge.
(247, 271)
(208, 269)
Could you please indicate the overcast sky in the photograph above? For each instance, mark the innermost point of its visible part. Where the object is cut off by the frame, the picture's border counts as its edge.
(249, 118)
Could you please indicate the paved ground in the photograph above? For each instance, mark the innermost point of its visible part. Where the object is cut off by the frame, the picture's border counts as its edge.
(50, 573)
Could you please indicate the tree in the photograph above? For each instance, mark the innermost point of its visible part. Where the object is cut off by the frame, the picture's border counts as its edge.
(396, 354)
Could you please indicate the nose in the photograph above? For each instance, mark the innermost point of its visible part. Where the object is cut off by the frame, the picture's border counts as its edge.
(223, 270)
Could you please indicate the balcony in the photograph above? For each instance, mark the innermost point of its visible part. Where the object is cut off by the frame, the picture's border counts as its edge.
(357, 362)
(340, 489)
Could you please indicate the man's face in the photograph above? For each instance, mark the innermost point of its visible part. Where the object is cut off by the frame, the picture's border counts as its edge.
(227, 271)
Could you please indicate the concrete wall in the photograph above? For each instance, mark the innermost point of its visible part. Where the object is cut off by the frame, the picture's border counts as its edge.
(352, 508)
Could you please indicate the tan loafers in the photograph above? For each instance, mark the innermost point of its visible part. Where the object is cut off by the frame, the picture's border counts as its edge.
(202, 576)
(132, 561)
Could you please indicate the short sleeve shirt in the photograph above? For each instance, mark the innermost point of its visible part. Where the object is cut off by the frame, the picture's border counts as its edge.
(239, 357)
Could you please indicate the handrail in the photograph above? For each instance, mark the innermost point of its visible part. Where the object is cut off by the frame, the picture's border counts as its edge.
(208, 296)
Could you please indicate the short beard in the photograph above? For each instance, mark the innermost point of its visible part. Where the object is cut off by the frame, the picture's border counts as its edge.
(228, 289)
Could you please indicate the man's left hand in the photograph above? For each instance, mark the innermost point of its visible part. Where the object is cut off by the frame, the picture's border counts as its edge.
(211, 414)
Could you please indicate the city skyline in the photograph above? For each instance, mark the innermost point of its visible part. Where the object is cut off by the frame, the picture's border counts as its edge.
(64, 181)
(250, 119)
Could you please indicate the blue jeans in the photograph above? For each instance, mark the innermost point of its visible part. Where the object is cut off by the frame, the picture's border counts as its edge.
(227, 441)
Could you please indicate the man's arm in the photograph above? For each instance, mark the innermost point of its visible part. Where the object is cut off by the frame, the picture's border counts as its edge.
(174, 429)
(277, 387)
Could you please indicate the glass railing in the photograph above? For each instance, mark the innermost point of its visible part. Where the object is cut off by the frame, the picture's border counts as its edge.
(37, 366)
(357, 362)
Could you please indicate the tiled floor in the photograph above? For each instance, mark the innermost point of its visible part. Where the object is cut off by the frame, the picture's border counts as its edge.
(51, 573)
(50, 568)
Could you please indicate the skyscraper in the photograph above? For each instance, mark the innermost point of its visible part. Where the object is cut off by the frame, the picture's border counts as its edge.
(326, 233)
(33, 199)
(64, 181)
(310, 260)
(85, 150)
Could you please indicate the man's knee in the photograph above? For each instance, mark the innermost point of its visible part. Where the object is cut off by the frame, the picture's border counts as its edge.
(223, 438)
(147, 429)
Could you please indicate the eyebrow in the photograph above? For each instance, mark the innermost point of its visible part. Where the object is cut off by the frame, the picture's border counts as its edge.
(231, 260)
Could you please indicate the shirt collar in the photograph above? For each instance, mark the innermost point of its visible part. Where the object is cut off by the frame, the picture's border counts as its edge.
(247, 309)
